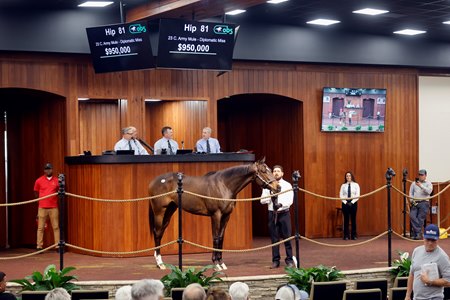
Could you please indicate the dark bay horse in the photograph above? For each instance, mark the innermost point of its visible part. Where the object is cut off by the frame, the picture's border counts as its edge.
(226, 184)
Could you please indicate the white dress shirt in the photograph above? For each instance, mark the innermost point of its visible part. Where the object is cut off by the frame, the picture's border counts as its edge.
(135, 145)
(162, 144)
(354, 191)
(214, 145)
(285, 199)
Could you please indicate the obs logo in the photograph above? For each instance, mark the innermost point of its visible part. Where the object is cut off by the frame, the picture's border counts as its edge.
(223, 29)
(137, 28)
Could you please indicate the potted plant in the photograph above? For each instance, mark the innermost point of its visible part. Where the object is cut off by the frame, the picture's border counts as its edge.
(400, 267)
(303, 278)
(50, 279)
(178, 278)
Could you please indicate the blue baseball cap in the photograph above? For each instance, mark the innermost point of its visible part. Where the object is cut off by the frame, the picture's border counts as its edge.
(431, 232)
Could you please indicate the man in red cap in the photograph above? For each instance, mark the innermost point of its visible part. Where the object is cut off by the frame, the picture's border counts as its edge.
(46, 185)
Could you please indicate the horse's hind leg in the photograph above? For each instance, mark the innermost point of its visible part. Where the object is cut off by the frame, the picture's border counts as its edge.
(215, 223)
(161, 221)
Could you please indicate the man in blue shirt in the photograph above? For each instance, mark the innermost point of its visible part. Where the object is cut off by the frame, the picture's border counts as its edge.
(207, 144)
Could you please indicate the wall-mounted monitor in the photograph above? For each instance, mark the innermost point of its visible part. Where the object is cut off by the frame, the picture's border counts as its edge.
(195, 45)
(353, 110)
(120, 47)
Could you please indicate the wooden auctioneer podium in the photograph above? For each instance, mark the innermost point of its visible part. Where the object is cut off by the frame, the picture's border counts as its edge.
(124, 226)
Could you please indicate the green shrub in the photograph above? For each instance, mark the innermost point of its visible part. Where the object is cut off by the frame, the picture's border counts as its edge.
(370, 127)
(179, 278)
(343, 128)
(380, 127)
(303, 278)
(358, 128)
(47, 281)
(330, 127)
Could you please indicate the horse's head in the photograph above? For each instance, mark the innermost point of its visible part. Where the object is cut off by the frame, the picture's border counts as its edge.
(264, 177)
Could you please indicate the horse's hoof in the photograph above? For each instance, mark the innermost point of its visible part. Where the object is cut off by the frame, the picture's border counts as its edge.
(217, 267)
(159, 261)
(224, 266)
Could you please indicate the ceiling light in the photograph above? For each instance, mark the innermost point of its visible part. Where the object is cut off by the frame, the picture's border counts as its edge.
(276, 1)
(95, 3)
(152, 100)
(83, 99)
(370, 11)
(323, 22)
(409, 32)
(235, 12)
(446, 22)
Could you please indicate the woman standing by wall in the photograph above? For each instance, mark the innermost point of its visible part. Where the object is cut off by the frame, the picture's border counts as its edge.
(349, 189)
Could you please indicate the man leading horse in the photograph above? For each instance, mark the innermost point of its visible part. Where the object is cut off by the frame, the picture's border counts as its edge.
(225, 184)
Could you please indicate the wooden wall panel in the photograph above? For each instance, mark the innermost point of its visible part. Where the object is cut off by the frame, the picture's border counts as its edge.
(273, 130)
(99, 125)
(35, 126)
(187, 119)
(326, 156)
(124, 226)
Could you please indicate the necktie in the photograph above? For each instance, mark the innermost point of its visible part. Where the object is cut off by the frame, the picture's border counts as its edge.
(349, 191)
(208, 147)
(129, 145)
(170, 147)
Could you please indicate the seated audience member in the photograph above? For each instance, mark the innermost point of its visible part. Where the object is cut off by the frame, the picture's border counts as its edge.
(239, 291)
(123, 293)
(290, 292)
(130, 141)
(166, 144)
(147, 289)
(194, 291)
(216, 293)
(207, 144)
(3, 294)
(57, 294)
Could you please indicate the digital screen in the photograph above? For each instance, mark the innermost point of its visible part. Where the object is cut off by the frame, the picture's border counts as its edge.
(195, 45)
(120, 47)
(353, 110)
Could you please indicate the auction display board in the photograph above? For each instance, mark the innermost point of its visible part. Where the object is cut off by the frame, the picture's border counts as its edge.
(120, 47)
(195, 45)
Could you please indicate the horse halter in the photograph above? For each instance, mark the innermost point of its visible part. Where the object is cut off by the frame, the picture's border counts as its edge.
(265, 183)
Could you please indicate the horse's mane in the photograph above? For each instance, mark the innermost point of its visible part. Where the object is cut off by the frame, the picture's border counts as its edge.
(210, 173)
(228, 172)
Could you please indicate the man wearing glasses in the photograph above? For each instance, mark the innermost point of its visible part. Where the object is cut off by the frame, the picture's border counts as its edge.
(421, 188)
(130, 141)
(430, 268)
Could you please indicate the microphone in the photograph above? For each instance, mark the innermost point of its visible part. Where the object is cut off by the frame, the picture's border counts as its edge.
(147, 145)
(182, 145)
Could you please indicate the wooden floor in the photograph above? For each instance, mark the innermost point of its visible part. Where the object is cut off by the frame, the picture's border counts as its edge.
(371, 255)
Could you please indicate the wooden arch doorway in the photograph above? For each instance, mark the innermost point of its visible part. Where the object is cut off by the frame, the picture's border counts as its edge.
(272, 126)
(32, 130)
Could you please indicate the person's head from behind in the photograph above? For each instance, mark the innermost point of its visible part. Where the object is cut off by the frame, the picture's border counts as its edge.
(167, 132)
(57, 294)
(216, 293)
(194, 291)
(147, 289)
(2, 282)
(239, 291)
(123, 293)
(290, 292)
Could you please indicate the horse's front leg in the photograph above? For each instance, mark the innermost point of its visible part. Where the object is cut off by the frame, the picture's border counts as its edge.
(223, 225)
(215, 226)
